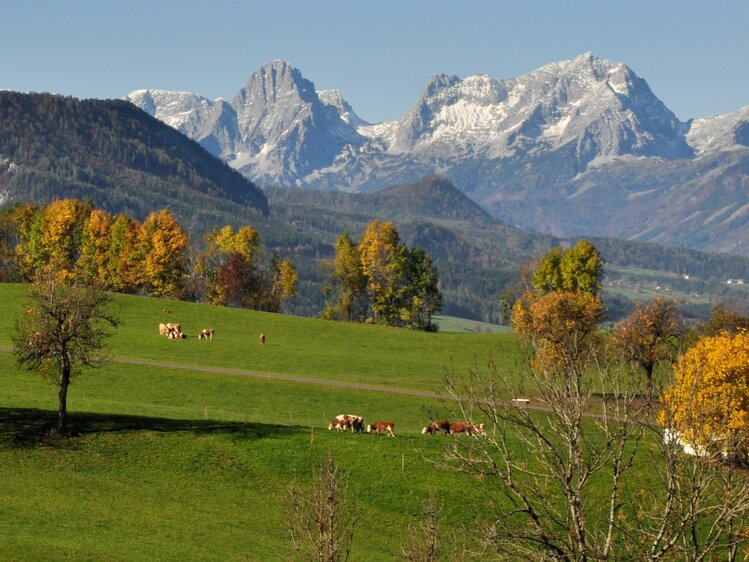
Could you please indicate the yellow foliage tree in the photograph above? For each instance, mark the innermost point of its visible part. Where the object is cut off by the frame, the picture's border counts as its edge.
(124, 264)
(708, 404)
(92, 263)
(379, 253)
(164, 244)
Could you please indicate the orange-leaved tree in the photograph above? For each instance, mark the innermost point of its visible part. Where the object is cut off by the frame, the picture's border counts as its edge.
(652, 333)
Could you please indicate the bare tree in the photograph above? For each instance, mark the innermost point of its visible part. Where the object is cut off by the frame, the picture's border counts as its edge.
(321, 521)
(556, 471)
(61, 332)
(559, 472)
(422, 543)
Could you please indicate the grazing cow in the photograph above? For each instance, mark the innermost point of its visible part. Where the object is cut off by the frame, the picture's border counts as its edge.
(261, 339)
(467, 428)
(343, 421)
(380, 426)
(206, 334)
(174, 327)
(460, 427)
(163, 330)
(434, 426)
(174, 335)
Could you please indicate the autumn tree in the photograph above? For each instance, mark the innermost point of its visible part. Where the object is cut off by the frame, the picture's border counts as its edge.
(723, 319)
(51, 237)
(321, 521)
(651, 334)
(347, 282)
(561, 327)
(400, 286)
(282, 283)
(237, 271)
(61, 332)
(706, 412)
(13, 221)
(96, 238)
(163, 244)
(382, 259)
(708, 404)
(124, 257)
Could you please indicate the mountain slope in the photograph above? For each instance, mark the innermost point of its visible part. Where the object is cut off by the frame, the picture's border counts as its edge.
(577, 147)
(112, 153)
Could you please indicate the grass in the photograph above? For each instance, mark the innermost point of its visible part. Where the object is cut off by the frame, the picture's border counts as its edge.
(172, 463)
(302, 346)
(155, 480)
(176, 464)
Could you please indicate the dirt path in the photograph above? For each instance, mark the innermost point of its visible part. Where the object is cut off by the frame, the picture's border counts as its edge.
(304, 380)
(282, 377)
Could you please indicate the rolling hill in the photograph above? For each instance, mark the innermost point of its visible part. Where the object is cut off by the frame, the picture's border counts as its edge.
(115, 155)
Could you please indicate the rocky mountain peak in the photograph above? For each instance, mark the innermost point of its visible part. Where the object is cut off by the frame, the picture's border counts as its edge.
(335, 99)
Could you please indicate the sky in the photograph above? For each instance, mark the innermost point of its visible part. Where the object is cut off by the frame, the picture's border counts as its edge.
(694, 54)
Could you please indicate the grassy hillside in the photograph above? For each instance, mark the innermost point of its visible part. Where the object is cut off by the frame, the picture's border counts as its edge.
(176, 464)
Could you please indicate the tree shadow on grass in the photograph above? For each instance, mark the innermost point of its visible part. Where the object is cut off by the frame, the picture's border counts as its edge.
(29, 427)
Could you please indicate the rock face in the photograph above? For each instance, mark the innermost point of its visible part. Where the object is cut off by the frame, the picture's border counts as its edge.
(580, 146)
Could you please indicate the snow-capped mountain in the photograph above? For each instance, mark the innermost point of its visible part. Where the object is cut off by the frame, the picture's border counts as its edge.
(723, 132)
(564, 136)
(276, 129)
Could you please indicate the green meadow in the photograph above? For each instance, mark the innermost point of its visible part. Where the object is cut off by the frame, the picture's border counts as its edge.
(174, 462)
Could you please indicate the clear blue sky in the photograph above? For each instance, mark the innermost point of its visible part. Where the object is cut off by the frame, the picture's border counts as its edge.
(693, 53)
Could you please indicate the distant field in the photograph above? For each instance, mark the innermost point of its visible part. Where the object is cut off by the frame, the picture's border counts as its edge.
(462, 325)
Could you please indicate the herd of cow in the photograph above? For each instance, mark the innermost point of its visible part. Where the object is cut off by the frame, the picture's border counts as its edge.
(173, 331)
(343, 422)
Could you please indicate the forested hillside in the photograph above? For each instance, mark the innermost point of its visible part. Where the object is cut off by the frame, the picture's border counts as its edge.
(114, 154)
(479, 258)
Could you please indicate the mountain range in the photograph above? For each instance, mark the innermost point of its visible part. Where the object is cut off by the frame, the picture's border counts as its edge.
(577, 147)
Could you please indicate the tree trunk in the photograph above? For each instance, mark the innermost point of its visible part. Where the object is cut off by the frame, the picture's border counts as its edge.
(63, 398)
(649, 377)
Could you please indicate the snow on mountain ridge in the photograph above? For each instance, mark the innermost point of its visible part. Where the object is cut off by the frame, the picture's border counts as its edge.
(279, 129)
(722, 132)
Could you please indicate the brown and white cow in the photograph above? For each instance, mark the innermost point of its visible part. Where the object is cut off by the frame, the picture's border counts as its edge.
(341, 423)
(380, 426)
(460, 427)
(435, 426)
(173, 327)
(344, 421)
(163, 330)
(206, 334)
(467, 428)
(478, 429)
